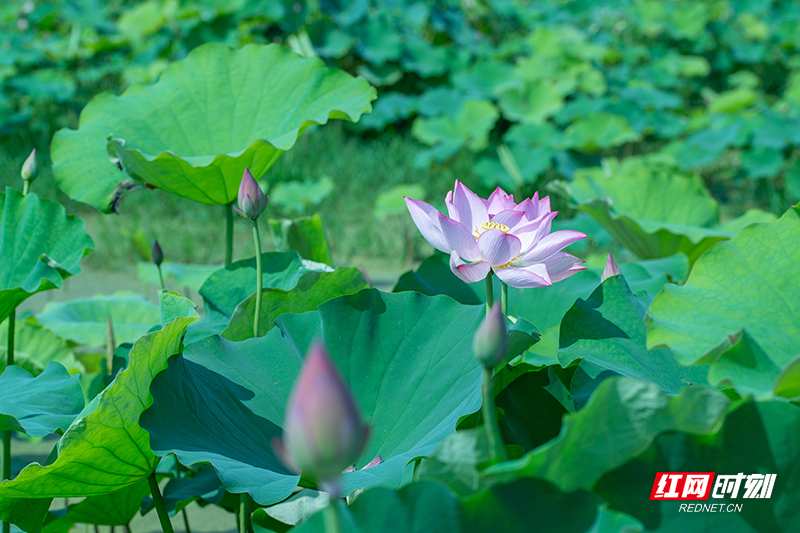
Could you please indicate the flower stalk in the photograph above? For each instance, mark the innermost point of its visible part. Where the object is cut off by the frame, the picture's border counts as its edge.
(158, 503)
(504, 298)
(497, 449)
(489, 293)
(7, 434)
(245, 513)
(259, 279)
(228, 234)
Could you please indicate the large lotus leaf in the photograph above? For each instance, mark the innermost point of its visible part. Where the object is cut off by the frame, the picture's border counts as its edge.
(35, 347)
(208, 117)
(228, 287)
(104, 449)
(653, 210)
(85, 320)
(114, 509)
(313, 289)
(607, 333)
(222, 402)
(620, 421)
(40, 245)
(747, 283)
(41, 405)
(756, 438)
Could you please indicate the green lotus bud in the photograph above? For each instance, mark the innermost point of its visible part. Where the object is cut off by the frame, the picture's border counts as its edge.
(30, 168)
(323, 432)
(157, 254)
(490, 342)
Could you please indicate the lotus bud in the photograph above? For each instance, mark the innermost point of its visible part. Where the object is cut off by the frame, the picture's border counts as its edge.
(610, 270)
(30, 168)
(157, 255)
(252, 201)
(323, 433)
(490, 342)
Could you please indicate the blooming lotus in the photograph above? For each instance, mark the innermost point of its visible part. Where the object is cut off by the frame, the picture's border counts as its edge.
(498, 235)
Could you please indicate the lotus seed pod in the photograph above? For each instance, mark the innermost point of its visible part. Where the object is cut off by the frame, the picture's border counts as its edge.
(324, 433)
(30, 168)
(157, 255)
(251, 200)
(490, 342)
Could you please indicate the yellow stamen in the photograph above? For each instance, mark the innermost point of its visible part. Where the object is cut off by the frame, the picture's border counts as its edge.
(495, 225)
(506, 265)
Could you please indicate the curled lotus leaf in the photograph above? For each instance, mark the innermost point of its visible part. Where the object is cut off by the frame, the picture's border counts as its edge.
(209, 116)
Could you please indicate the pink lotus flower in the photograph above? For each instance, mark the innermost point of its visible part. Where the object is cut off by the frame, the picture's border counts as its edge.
(512, 240)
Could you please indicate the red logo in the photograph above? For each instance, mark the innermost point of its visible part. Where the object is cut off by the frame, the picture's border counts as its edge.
(682, 486)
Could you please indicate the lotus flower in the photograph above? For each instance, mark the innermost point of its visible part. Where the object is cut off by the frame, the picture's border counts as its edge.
(490, 342)
(252, 201)
(512, 240)
(323, 433)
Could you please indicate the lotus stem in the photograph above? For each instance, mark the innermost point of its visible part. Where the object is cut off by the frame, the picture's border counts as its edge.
(158, 502)
(489, 293)
(331, 517)
(245, 513)
(26, 187)
(178, 471)
(186, 521)
(259, 281)
(504, 298)
(496, 447)
(111, 346)
(228, 234)
(128, 527)
(12, 319)
(161, 277)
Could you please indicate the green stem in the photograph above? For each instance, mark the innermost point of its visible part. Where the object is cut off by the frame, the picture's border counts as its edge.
(128, 527)
(245, 513)
(489, 293)
(161, 277)
(228, 234)
(12, 319)
(259, 281)
(186, 521)
(331, 517)
(496, 447)
(158, 502)
(26, 187)
(178, 471)
(504, 298)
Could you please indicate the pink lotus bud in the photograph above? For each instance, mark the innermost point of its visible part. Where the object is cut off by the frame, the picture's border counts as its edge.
(323, 431)
(490, 343)
(30, 168)
(610, 270)
(252, 201)
(157, 255)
